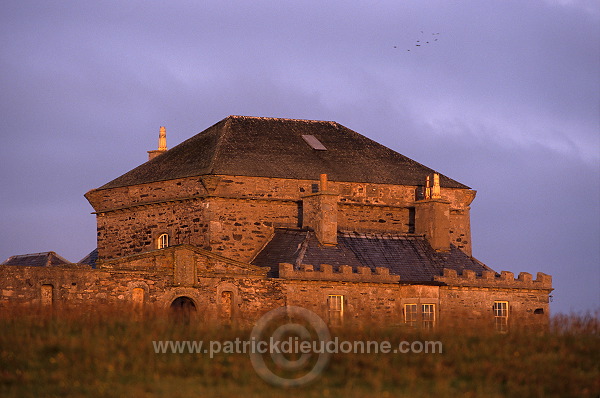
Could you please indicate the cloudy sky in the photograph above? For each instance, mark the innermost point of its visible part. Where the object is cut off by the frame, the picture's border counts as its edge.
(504, 97)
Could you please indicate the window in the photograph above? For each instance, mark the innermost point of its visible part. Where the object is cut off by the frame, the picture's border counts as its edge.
(137, 296)
(411, 220)
(227, 306)
(426, 316)
(410, 314)
(501, 315)
(163, 241)
(336, 309)
(428, 311)
(47, 293)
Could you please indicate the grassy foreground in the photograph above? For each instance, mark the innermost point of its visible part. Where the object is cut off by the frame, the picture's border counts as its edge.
(108, 355)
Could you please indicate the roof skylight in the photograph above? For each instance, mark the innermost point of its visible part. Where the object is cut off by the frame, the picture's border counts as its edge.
(314, 142)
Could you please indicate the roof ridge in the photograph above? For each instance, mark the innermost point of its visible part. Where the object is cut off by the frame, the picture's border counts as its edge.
(47, 256)
(383, 235)
(280, 118)
(33, 254)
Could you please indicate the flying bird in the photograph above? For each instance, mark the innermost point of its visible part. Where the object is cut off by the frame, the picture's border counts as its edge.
(420, 44)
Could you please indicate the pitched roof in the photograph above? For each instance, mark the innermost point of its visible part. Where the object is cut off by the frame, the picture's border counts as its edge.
(90, 259)
(271, 147)
(44, 259)
(410, 257)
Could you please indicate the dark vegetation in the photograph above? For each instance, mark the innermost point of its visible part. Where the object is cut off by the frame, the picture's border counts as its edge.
(107, 354)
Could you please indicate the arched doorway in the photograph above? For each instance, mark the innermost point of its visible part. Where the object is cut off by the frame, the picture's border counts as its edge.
(183, 309)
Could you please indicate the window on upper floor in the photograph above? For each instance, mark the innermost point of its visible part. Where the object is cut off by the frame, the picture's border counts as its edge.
(335, 305)
(163, 241)
(501, 315)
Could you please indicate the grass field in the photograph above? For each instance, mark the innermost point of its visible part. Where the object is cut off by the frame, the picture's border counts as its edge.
(108, 355)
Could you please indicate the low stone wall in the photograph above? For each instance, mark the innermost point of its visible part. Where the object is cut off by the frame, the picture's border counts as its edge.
(326, 272)
(232, 292)
(491, 279)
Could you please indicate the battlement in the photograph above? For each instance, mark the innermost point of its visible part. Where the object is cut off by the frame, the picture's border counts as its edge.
(326, 272)
(491, 279)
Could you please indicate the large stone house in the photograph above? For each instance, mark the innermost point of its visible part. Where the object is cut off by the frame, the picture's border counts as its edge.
(256, 213)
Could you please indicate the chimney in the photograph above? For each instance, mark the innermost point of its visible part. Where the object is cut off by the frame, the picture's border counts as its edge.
(319, 212)
(162, 144)
(432, 216)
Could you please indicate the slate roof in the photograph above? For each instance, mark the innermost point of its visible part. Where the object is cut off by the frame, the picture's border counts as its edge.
(272, 147)
(90, 259)
(411, 257)
(45, 259)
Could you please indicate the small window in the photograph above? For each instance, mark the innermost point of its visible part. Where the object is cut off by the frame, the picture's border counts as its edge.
(163, 241)
(336, 309)
(137, 296)
(227, 306)
(47, 293)
(410, 314)
(501, 315)
(428, 311)
(411, 220)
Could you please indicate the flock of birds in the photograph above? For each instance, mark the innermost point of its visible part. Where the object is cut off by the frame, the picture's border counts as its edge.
(424, 42)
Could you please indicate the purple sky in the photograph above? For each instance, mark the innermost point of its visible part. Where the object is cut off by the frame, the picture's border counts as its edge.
(507, 101)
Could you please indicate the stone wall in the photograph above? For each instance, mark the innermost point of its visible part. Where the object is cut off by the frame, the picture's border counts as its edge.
(469, 298)
(236, 215)
(75, 288)
(325, 272)
(240, 227)
(136, 230)
(232, 292)
(473, 306)
(248, 297)
(375, 218)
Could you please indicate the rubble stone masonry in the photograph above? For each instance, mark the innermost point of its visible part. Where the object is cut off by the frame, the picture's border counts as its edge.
(225, 290)
(235, 216)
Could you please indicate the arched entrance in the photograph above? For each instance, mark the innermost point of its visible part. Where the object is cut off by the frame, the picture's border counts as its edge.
(183, 309)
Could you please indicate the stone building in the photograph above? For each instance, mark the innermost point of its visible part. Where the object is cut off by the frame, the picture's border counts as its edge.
(255, 213)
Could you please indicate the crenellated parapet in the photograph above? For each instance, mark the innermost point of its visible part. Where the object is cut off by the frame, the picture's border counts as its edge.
(490, 279)
(327, 272)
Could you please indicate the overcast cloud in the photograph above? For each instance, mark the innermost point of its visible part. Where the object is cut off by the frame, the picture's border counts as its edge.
(505, 99)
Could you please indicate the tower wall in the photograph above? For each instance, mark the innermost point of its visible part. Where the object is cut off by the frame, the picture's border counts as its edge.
(235, 215)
